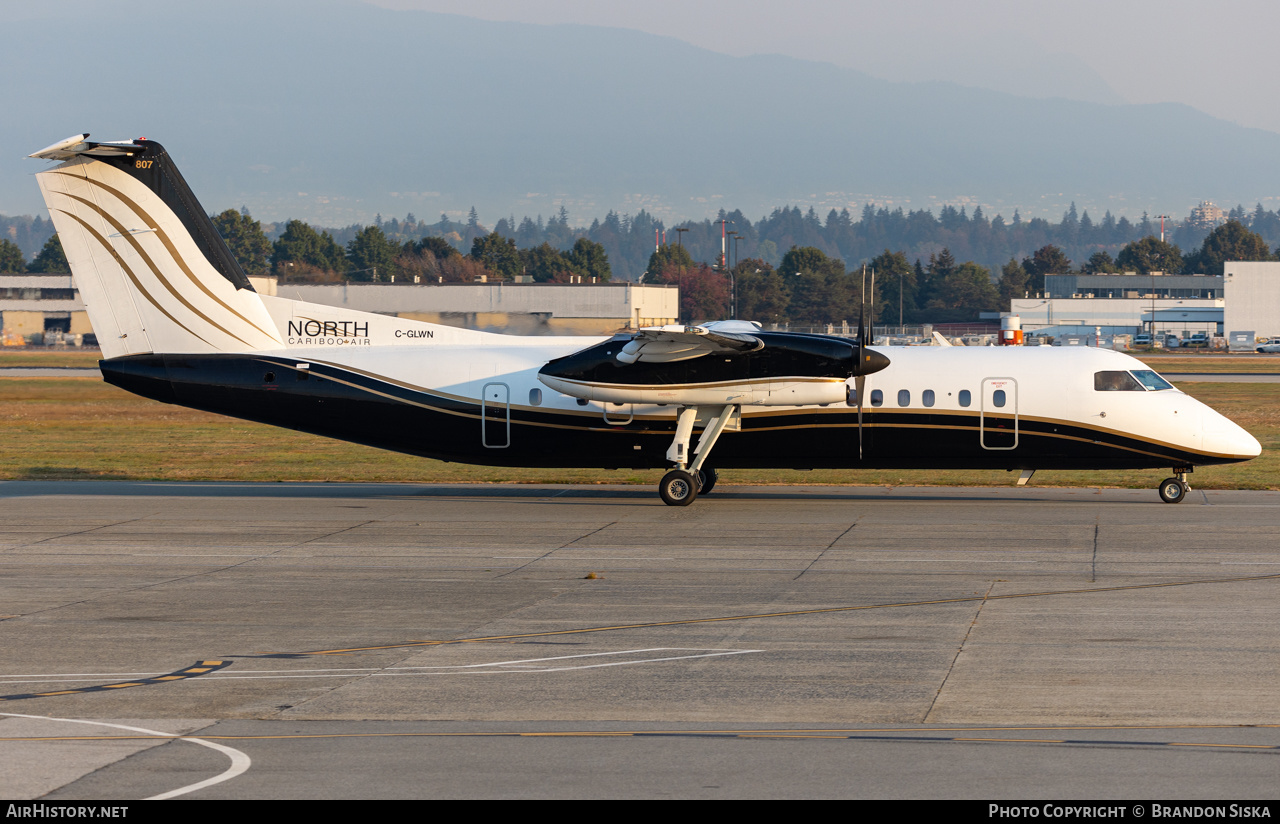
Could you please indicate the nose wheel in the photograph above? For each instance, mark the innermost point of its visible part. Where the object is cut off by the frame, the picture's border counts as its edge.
(1173, 490)
(678, 488)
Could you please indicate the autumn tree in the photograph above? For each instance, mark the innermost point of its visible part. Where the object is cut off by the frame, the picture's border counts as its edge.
(704, 292)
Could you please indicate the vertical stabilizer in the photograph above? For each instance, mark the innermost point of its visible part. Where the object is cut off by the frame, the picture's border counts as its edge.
(151, 268)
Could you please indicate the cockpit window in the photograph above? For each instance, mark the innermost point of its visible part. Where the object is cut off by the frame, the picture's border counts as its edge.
(1116, 382)
(1151, 380)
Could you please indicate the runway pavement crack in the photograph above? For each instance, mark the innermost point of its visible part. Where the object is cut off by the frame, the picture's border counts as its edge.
(1093, 563)
(549, 552)
(327, 535)
(117, 592)
(79, 532)
(959, 650)
(827, 548)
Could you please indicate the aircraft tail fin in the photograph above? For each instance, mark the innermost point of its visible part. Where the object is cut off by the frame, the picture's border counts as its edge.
(154, 273)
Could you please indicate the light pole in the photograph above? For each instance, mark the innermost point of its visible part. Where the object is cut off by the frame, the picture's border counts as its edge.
(680, 230)
(901, 281)
(733, 280)
(723, 240)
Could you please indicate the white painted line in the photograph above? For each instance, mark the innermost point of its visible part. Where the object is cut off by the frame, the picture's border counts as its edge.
(943, 561)
(239, 761)
(335, 672)
(583, 655)
(527, 665)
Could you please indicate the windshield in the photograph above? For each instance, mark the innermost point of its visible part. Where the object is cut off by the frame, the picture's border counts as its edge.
(1151, 380)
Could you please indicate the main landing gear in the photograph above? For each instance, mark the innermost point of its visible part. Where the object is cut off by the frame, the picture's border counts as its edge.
(682, 485)
(1173, 490)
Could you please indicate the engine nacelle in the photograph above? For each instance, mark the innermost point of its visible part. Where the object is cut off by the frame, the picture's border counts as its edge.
(787, 370)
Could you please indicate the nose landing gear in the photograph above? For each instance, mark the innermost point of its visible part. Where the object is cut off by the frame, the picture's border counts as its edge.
(689, 479)
(1173, 490)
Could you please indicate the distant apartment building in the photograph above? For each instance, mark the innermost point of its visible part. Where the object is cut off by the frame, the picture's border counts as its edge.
(1207, 216)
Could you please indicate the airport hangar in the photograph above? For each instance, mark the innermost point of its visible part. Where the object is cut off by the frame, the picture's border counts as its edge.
(1242, 304)
(37, 309)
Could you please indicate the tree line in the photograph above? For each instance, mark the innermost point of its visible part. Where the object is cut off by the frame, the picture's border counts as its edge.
(810, 288)
(920, 277)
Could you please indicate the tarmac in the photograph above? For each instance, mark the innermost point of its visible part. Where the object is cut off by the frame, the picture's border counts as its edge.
(205, 640)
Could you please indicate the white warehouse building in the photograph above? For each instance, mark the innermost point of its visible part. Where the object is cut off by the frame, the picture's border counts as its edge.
(1253, 298)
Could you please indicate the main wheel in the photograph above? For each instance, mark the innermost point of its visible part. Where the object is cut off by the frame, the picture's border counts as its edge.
(1172, 490)
(678, 488)
(707, 477)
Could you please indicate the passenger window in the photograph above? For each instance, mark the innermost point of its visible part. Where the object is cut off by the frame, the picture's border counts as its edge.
(1116, 382)
(904, 397)
(926, 397)
(877, 397)
(997, 398)
(535, 397)
(965, 397)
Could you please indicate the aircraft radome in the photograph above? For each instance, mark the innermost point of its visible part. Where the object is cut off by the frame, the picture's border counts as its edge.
(178, 321)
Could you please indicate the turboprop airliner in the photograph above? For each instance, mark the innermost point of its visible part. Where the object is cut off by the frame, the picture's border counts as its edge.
(179, 321)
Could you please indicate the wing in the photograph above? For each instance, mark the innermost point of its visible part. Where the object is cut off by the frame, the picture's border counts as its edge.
(668, 344)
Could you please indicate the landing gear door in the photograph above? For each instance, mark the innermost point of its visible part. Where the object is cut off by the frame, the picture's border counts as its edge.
(998, 414)
(495, 416)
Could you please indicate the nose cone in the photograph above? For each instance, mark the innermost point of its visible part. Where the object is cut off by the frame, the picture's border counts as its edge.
(1224, 437)
(869, 361)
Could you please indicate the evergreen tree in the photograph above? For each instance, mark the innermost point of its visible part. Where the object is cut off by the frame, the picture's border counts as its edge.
(763, 293)
(1013, 281)
(246, 240)
(1230, 241)
(1151, 254)
(51, 260)
(498, 254)
(372, 256)
(667, 257)
(1047, 260)
(897, 286)
(11, 259)
(590, 259)
(1099, 263)
(437, 247)
(300, 247)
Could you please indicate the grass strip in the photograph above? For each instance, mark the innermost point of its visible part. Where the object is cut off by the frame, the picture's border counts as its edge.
(84, 429)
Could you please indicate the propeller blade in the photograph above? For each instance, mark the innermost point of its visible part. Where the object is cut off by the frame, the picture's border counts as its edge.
(860, 383)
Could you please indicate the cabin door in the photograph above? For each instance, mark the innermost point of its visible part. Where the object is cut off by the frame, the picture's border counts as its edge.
(998, 414)
(495, 416)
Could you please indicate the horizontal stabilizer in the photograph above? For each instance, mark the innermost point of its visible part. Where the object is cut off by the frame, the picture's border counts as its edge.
(81, 145)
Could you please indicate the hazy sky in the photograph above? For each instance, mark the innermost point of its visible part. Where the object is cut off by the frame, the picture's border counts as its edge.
(1219, 57)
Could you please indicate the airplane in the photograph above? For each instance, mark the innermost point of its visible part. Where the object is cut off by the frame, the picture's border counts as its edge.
(178, 321)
